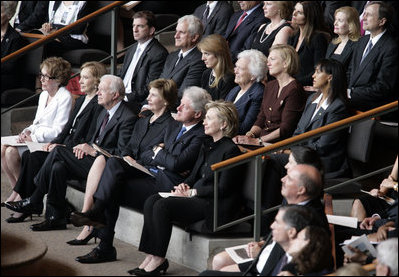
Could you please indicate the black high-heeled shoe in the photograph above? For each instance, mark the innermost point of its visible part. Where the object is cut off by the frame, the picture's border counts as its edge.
(21, 218)
(161, 268)
(84, 241)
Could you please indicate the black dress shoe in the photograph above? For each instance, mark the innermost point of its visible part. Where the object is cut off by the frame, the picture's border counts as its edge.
(89, 218)
(161, 268)
(84, 241)
(50, 224)
(3, 204)
(21, 218)
(98, 255)
(134, 271)
(25, 206)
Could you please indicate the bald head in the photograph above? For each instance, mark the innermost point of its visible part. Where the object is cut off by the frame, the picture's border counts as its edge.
(310, 178)
(302, 182)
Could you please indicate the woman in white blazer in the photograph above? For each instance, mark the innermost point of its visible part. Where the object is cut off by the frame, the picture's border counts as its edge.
(55, 103)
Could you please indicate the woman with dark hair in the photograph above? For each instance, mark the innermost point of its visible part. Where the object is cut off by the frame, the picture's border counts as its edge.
(311, 253)
(324, 107)
(310, 40)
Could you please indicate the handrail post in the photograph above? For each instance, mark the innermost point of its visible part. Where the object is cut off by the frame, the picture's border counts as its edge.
(258, 197)
(114, 37)
(216, 200)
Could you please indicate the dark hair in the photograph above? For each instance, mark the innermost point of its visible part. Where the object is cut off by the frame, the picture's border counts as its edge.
(338, 83)
(314, 20)
(297, 217)
(316, 256)
(148, 15)
(167, 89)
(307, 155)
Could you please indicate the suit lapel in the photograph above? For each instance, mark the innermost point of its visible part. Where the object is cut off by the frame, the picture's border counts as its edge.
(114, 119)
(129, 59)
(142, 57)
(309, 115)
(274, 258)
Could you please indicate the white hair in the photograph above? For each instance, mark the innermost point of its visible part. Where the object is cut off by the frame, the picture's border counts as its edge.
(199, 97)
(195, 26)
(257, 63)
(387, 254)
(116, 84)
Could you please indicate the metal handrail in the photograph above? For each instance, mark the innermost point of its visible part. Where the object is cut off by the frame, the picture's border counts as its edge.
(257, 154)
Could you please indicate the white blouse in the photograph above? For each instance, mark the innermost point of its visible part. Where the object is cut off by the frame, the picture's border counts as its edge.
(51, 119)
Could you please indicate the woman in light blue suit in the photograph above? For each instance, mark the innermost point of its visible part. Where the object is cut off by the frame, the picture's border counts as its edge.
(250, 70)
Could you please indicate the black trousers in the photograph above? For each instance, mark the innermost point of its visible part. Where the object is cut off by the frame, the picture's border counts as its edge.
(30, 166)
(159, 215)
(60, 166)
(121, 182)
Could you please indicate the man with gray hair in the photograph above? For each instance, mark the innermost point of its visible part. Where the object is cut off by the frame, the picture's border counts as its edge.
(114, 127)
(185, 66)
(387, 258)
(170, 162)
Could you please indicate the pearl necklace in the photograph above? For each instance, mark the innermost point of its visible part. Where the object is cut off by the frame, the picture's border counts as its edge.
(262, 38)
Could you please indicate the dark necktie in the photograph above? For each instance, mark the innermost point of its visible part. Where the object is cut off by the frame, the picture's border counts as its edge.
(368, 49)
(283, 261)
(179, 59)
(240, 20)
(183, 129)
(105, 121)
(205, 15)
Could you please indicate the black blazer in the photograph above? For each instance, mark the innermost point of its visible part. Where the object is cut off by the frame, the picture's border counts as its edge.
(202, 178)
(178, 156)
(145, 135)
(148, 68)
(188, 71)
(85, 125)
(373, 82)
(332, 146)
(245, 33)
(32, 14)
(116, 133)
(346, 55)
(223, 88)
(248, 105)
(13, 71)
(217, 20)
(309, 55)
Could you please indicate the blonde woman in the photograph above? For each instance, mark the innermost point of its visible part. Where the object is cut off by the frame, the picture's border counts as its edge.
(218, 78)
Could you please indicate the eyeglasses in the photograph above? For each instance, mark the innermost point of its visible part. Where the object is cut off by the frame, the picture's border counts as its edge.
(46, 77)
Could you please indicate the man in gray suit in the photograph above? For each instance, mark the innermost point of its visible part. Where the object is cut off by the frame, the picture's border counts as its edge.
(185, 66)
(143, 62)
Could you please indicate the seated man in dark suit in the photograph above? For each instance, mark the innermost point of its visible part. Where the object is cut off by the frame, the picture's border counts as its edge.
(31, 15)
(114, 126)
(374, 68)
(169, 162)
(289, 221)
(302, 186)
(214, 16)
(143, 62)
(185, 66)
(243, 26)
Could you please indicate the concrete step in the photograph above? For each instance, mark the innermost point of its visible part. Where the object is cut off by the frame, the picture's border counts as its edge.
(195, 252)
